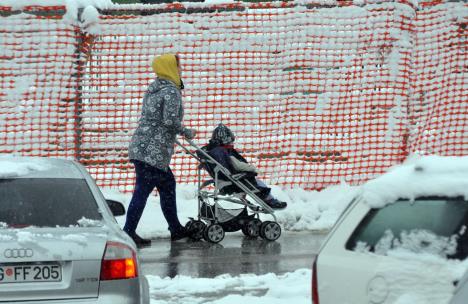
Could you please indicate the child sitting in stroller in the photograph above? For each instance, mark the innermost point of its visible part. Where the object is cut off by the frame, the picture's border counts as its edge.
(221, 148)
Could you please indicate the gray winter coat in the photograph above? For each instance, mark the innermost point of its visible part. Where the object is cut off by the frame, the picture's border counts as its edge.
(160, 122)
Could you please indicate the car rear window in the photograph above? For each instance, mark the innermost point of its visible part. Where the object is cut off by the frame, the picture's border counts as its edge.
(432, 225)
(46, 202)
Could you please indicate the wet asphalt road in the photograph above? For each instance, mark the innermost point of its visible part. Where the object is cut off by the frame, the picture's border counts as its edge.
(234, 255)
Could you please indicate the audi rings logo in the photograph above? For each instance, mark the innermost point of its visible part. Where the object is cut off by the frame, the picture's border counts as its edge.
(18, 253)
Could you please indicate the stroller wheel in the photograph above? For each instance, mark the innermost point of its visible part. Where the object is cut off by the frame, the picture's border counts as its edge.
(213, 233)
(196, 229)
(189, 224)
(252, 228)
(270, 231)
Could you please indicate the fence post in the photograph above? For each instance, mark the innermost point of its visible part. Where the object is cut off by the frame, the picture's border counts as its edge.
(78, 96)
(81, 53)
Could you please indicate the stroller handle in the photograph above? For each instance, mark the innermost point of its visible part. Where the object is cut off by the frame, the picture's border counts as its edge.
(205, 154)
(187, 150)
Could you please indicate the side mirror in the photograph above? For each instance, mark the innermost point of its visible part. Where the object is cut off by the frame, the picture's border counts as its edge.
(116, 207)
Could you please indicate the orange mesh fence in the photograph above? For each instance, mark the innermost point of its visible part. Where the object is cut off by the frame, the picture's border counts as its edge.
(38, 83)
(315, 94)
(439, 96)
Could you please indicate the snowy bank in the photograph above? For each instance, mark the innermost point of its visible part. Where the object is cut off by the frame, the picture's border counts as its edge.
(270, 288)
(415, 283)
(314, 210)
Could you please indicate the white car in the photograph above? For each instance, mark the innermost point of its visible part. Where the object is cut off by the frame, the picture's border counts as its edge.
(461, 293)
(59, 240)
(416, 209)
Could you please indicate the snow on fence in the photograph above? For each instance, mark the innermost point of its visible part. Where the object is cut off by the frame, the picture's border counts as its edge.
(317, 93)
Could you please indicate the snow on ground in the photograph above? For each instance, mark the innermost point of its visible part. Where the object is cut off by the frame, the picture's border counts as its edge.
(410, 279)
(307, 210)
(293, 287)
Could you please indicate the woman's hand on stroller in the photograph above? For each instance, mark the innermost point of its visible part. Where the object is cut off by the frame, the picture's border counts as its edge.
(189, 133)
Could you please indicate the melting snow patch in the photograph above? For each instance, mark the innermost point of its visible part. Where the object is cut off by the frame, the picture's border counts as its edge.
(293, 287)
(84, 222)
(24, 237)
(76, 238)
(6, 238)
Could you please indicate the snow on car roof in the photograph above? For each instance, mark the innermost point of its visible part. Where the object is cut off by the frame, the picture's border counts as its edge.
(37, 167)
(419, 176)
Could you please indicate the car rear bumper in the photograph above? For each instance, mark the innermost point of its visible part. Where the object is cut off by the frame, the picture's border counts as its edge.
(100, 300)
(133, 291)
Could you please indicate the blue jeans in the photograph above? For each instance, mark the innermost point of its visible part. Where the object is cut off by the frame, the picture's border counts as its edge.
(147, 178)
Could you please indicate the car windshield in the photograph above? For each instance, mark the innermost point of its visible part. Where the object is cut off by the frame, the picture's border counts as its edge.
(430, 225)
(46, 202)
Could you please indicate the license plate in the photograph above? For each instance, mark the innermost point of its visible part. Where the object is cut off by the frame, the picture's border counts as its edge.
(22, 273)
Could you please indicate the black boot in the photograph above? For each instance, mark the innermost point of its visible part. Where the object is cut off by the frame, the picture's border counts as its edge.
(139, 241)
(276, 204)
(180, 234)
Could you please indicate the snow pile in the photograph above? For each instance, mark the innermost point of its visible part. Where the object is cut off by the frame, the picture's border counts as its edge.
(10, 168)
(90, 20)
(419, 176)
(291, 287)
(313, 210)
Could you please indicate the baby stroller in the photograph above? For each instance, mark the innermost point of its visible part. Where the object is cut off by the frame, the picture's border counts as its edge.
(213, 218)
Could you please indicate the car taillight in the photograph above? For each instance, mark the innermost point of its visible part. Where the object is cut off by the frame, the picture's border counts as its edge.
(315, 296)
(119, 262)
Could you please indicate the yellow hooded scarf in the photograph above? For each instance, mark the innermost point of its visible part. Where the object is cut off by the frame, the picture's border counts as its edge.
(165, 66)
